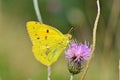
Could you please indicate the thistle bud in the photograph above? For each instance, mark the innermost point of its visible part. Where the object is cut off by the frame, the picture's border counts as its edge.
(74, 67)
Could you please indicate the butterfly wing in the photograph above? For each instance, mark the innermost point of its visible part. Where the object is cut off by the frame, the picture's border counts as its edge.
(48, 42)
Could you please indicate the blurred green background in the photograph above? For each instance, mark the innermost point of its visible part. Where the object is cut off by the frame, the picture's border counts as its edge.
(16, 58)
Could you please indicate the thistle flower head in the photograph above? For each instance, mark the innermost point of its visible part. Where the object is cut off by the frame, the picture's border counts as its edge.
(76, 54)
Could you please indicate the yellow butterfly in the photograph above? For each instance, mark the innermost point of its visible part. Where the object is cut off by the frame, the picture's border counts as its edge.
(48, 42)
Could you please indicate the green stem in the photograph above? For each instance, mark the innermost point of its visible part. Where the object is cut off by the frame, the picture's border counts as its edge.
(49, 72)
(37, 11)
(71, 77)
(94, 42)
(36, 7)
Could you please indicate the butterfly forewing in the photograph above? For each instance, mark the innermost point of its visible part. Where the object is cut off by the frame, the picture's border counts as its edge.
(48, 42)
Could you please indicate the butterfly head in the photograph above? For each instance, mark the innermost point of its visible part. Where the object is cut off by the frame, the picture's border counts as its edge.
(69, 36)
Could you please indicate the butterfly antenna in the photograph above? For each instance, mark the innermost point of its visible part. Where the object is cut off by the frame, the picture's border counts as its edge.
(71, 29)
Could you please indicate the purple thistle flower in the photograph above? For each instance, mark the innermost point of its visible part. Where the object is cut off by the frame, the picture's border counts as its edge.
(78, 52)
